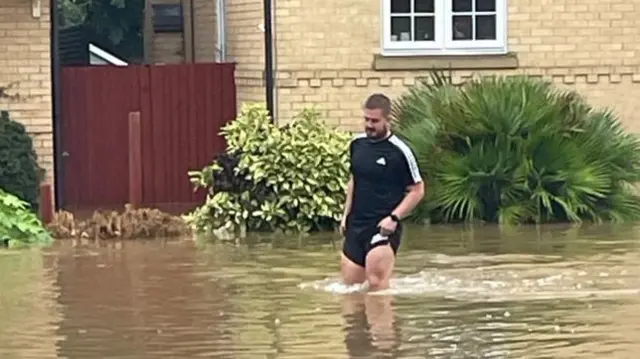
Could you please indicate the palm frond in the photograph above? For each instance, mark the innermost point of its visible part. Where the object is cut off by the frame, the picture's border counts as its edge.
(517, 150)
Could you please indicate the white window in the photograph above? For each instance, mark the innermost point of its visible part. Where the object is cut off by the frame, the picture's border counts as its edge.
(444, 27)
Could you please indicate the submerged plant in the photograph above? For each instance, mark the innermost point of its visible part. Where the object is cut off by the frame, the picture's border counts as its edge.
(517, 150)
(19, 226)
(132, 223)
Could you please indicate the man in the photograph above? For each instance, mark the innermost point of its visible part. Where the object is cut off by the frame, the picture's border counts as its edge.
(385, 185)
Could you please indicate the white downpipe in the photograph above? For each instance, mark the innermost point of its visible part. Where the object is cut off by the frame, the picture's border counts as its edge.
(274, 43)
(221, 11)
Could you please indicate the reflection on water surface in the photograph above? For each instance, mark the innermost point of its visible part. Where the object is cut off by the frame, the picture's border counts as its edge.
(481, 293)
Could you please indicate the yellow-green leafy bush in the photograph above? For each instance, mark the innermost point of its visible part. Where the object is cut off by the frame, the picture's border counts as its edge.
(290, 178)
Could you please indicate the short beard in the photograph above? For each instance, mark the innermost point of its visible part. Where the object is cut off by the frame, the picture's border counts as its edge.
(377, 136)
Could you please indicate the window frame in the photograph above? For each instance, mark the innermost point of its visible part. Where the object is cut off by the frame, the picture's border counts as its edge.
(443, 44)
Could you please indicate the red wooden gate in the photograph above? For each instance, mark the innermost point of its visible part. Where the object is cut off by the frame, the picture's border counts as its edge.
(182, 108)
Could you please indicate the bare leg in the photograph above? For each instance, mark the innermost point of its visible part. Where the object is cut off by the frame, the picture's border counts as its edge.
(381, 319)
(379, 267)
(352, 303)
(351, 272)
(378, 336)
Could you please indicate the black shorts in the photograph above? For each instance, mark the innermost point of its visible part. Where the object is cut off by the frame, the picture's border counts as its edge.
(357, 243)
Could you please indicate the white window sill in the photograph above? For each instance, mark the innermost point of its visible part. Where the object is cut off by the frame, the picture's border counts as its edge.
(444, 52)
(444, 61)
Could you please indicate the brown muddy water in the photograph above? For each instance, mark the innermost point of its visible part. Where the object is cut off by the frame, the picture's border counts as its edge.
(482, 293)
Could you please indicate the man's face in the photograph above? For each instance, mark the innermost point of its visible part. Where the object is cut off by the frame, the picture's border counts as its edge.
(375, 124)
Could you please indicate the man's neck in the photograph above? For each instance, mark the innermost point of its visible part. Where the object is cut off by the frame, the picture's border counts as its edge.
(386, 136)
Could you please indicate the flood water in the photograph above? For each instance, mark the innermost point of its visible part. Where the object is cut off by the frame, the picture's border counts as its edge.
(556, 292)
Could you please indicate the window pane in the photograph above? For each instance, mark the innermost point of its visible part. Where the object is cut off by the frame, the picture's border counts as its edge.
(423, 6)
(486, 5)
(401, 28)
(424, 28)
(485, 27)
(400, 6)
(461, 28)
(461, 5)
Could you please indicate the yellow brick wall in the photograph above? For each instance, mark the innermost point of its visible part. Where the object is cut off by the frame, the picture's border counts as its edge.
(245, 46)
(245, 43)
(171, 47)
(325, 52)
(167, 48)
(204, 30)
(25, 60)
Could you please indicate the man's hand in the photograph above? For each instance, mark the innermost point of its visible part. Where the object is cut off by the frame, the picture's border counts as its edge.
(343, 225)
(387, 226)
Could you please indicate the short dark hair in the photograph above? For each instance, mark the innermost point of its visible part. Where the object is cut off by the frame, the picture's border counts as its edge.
(378, 101)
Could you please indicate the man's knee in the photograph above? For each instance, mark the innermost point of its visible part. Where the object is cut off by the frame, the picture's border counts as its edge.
(379, 266)
(377, 282)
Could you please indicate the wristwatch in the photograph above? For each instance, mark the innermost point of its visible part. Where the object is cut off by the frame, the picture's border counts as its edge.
(394, 218)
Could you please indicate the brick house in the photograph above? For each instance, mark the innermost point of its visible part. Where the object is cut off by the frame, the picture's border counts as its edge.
(333, 53)
(25, 64)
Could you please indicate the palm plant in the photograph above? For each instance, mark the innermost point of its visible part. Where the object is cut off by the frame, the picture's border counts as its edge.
(517, 150)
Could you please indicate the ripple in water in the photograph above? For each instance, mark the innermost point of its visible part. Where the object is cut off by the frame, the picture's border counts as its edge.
(502, 282)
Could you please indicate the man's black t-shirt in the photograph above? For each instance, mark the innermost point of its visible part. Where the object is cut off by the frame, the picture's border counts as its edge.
(381, 171)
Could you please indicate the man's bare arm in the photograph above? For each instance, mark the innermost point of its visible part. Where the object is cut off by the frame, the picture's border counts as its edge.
(349, 199)
(410, 200)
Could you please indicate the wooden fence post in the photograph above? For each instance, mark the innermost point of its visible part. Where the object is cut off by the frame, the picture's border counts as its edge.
(135, 160)
(46, 203)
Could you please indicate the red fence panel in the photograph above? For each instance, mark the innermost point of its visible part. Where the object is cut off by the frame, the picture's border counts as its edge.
(182, 109)
(95, 102)
(188, 106)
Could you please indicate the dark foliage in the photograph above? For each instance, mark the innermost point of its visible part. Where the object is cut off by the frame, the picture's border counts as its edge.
(20, 173)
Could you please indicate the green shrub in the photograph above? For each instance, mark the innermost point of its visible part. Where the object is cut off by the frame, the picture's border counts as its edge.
(20, 173)
(18, 225)
(516, 150)
(275, 178)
